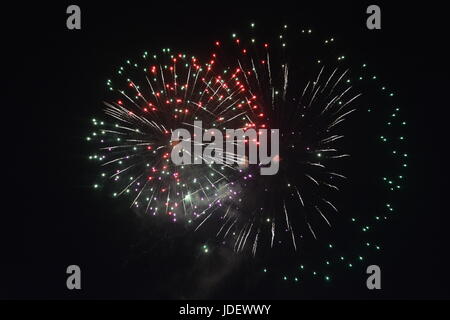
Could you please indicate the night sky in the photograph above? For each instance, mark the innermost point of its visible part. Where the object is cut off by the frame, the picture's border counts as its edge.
(55, 83)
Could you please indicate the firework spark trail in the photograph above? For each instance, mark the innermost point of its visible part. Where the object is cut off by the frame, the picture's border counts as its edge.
(255, 244)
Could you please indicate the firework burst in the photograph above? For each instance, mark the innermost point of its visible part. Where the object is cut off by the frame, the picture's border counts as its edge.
(328, 112)
(149, 100)
(309, 112)
(341, 161)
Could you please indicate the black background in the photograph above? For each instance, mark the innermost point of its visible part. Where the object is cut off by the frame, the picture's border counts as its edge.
(53, 84)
